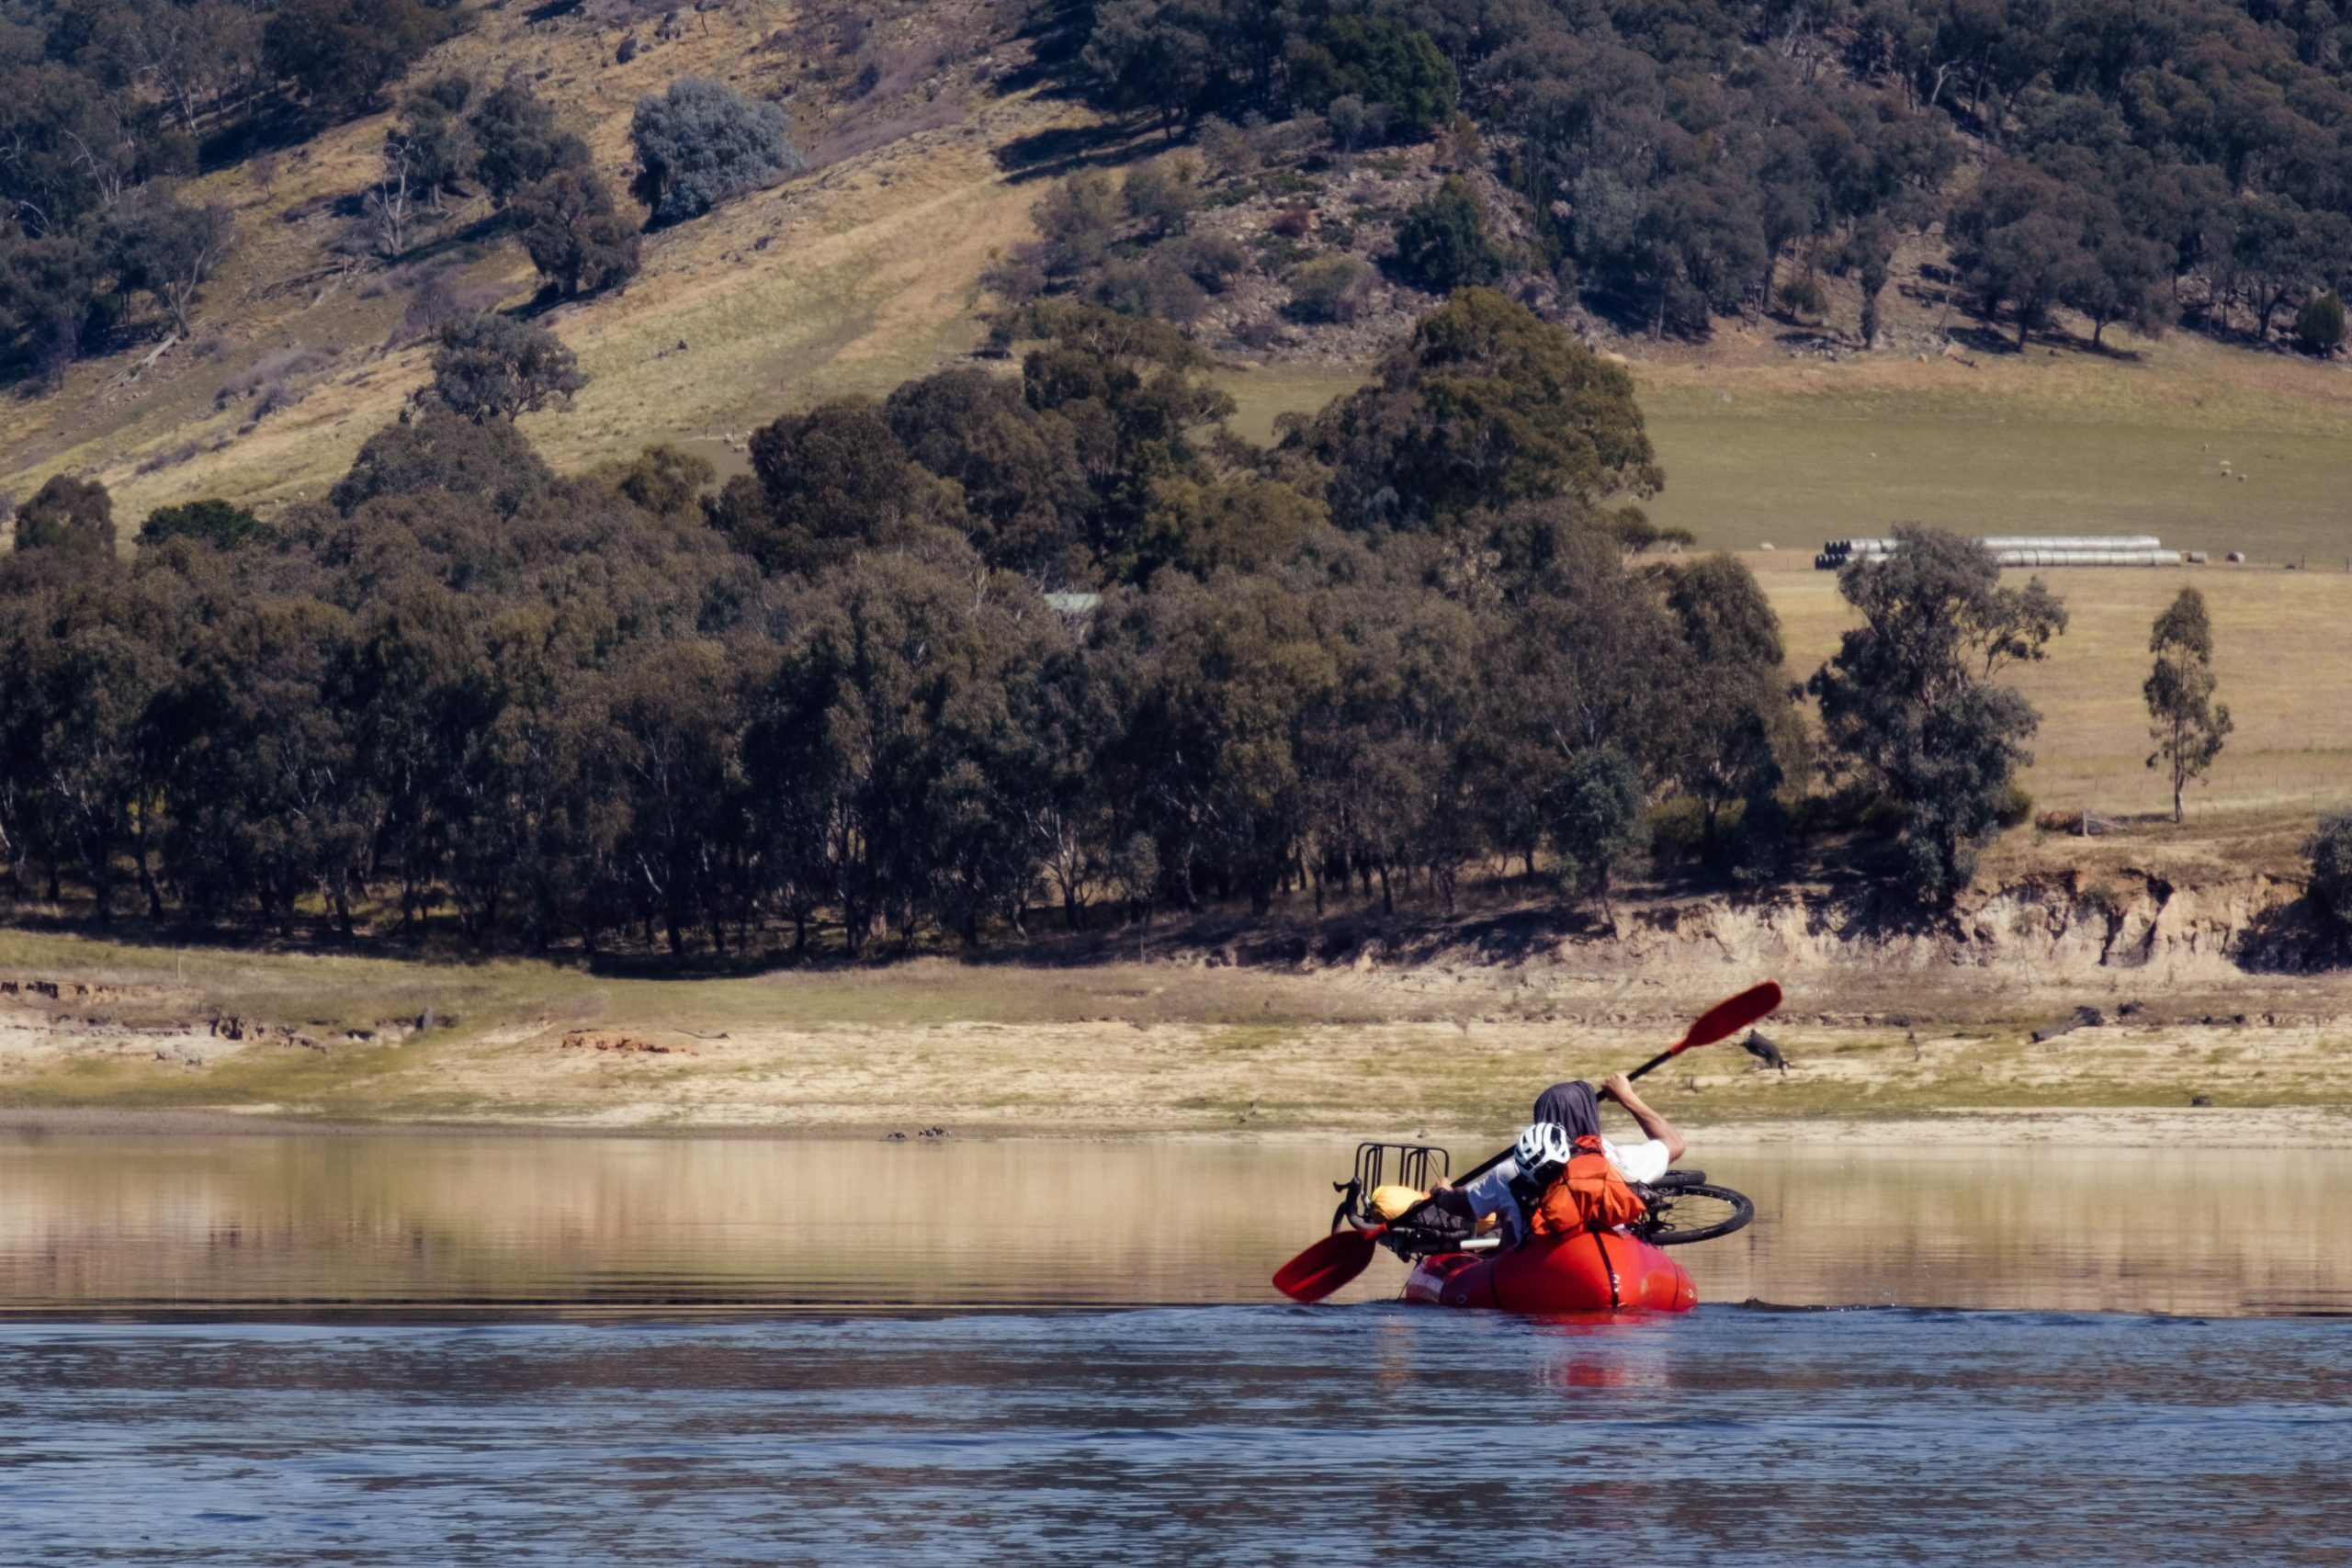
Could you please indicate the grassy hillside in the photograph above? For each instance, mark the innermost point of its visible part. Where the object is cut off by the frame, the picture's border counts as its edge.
(2208, 446)
(1760, 447)
(866, 271)
(2284, 669)
(852, 276)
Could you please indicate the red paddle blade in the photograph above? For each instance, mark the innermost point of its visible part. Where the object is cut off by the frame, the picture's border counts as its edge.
(1325, 1267)
(1731, 1015)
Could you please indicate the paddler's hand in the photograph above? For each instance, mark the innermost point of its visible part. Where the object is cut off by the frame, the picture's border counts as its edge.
(1619, 1087)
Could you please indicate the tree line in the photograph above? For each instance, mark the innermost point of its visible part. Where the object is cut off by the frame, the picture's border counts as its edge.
(991, 646)
(2141, 164)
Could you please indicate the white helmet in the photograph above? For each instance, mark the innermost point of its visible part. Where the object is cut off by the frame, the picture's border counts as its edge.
(1545, 1145)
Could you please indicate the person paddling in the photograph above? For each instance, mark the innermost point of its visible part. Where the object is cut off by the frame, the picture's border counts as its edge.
(1565, 1113)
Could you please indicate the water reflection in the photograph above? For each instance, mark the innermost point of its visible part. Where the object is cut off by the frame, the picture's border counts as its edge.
(299, 1222)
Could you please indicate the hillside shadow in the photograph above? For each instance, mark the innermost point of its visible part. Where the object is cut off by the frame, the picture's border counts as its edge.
(277, 130)
(1056, 32)
(1063, 150)
(2295, 938)
(1975, 336)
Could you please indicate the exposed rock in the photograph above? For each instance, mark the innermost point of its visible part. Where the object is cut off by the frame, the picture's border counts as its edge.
(2054, 922)
(598, 1040)
(2084, 1017)
(61, 990)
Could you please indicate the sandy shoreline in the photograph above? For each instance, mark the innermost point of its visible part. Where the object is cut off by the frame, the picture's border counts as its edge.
(116, 1041)
(2118, 1127)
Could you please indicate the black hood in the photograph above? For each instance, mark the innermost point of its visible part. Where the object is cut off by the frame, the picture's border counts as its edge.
(1573, 1105)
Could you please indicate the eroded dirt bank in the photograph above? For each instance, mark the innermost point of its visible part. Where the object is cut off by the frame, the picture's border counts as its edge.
(2128, 992)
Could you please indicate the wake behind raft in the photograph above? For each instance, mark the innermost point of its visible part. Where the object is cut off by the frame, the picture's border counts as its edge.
(1592, 1271)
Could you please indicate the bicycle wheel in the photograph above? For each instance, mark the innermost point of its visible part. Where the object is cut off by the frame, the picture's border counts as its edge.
(1693, 1211)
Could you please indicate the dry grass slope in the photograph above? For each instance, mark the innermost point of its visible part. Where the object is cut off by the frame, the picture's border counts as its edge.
(851, 278)
(2284, 667)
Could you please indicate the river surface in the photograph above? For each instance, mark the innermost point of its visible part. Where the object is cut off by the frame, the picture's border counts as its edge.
(409, 1350)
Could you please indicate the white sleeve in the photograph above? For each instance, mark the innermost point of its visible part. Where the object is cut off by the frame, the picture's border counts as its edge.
(1490, 1194)
(1644, 1162)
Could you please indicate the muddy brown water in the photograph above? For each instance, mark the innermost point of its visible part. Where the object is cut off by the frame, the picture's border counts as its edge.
(296, 1224)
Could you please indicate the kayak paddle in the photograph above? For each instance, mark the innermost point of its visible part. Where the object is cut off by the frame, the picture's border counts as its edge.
(1344, 1254)
(1328, 1265)
(1727, 1017)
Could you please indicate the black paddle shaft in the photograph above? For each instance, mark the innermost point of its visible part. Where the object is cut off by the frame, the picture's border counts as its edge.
(1661, 1059)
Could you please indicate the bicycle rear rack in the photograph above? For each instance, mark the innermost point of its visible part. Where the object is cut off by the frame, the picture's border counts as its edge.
(1371, 1172)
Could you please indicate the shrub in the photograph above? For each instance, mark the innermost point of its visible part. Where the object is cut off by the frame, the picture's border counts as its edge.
(70, 514)
(1157, 287)
(220, 524)
(518, 141)
(575, 237)
(1018, 278)
(1077, 222)
(452, 91)
(701, 142)
(1213, 261)
(436, 450)
(1260, 333)
(1332, 289)
(2329, 850)
(1802, 297)
(491, 366)
(1677, 828)
(1164, 193)
(1442, 245)
(1355, 123)
(663, 479)
(2319, 325)
(2015, 808)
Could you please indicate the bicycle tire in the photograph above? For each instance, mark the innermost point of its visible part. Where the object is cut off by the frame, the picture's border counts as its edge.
(1706, 1206)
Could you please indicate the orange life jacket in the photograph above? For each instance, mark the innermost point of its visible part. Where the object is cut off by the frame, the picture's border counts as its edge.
(1589, 1194)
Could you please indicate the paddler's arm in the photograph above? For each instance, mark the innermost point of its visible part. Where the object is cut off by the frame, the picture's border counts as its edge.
(1621, 1088)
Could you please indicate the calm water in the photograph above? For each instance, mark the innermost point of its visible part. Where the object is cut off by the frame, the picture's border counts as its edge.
(406, 1374)
(438, 1224)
